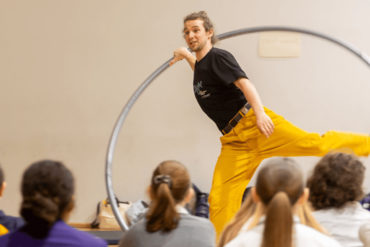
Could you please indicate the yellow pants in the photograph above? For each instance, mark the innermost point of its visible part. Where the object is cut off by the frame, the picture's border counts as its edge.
(3, 230)
(245, 147)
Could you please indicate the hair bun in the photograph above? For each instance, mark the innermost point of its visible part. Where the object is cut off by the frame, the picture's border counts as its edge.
(40, 207)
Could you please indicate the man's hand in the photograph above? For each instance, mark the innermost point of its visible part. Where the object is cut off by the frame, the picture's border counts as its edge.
(180, 54)
(263, 121)
(265, 124)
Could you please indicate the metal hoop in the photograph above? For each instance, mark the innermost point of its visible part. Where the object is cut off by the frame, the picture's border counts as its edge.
(163, 67)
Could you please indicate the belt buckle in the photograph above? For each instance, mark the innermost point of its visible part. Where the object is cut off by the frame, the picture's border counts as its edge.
(232, 123)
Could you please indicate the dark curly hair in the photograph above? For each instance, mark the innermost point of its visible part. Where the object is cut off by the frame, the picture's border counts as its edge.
(47, 190)
(337, 179)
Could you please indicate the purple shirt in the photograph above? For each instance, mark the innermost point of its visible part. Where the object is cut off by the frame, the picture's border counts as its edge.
(59, 235)
(10, 222)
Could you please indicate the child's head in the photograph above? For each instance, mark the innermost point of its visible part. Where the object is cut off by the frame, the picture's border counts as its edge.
(279, 188)
(47, 191)
(280, 177)
(170, 185)
(337, 179)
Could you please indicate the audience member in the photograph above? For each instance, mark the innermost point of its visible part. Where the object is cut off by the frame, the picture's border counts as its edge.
(335, 188)
(198, 205)
(364, 234)
(7, 223)
(167, 222)
(365, 202)
(278, 215)
(47, 193)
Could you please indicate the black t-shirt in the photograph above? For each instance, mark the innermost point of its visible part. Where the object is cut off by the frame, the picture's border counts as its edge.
(213, 85)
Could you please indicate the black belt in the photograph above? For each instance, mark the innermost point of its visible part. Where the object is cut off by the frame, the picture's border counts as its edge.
(235, 120)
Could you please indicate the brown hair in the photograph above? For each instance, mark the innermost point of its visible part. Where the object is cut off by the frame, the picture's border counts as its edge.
(169, 185)
(47, 191)
(250, 210)
(207, 23)
(304, 213)
(337, 179)
(279, 186)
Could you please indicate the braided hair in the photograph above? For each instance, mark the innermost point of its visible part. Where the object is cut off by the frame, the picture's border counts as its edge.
(47, 190)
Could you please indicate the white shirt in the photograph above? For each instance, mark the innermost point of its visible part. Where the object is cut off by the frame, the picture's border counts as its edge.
(181, 210)
(304, 236)
(343, 224)
(364, 234)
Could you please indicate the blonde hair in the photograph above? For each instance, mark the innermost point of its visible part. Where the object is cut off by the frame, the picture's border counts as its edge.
(242, 216)
(279, 186)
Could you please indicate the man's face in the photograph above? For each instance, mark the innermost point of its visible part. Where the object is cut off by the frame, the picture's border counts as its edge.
(195, 35)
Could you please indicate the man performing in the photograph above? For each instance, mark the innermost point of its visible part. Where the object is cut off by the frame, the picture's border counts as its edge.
(250, 131)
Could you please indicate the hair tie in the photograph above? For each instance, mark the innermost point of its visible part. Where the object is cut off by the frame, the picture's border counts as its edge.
(159, 179)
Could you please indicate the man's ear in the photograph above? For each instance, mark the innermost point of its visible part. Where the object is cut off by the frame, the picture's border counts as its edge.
(2, 188)
(211, 33)
(255, 197)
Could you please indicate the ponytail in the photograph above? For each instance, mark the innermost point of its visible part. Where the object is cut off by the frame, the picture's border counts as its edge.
(169, 186)
(162, 214)
(278, 230)
(41, 208)
(40, 213)
(279, 187)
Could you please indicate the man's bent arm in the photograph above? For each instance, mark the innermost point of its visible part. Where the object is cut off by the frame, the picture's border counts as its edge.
(263, 121)
(182, 53)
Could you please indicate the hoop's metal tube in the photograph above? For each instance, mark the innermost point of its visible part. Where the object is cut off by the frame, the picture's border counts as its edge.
(114, 137)
(163, 67)
(342, 44)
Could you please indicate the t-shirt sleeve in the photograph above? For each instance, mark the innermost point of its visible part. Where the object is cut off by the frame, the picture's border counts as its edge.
(226, 68)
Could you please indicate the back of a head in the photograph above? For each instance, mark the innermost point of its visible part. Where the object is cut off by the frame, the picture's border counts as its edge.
(169, 185)
(337, 179)
(279, 186)
(47, 191)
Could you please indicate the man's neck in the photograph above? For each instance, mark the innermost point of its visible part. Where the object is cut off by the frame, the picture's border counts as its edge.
(202, 53)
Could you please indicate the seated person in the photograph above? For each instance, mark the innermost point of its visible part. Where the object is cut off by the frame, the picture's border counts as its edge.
(272, 218)
(335, 188)
(47, 200)
(7, 223)
(365, 202)
(364, 234)
(167, 222)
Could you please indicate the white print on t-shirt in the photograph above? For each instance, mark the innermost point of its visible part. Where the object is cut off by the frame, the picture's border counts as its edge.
(198, 90)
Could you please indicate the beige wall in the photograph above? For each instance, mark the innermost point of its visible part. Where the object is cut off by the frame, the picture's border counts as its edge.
(68, 67)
